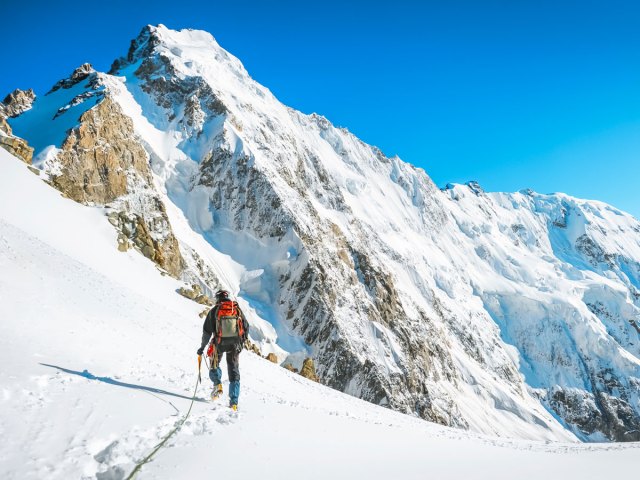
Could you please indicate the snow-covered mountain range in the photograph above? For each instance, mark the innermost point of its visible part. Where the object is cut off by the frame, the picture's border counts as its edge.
(98, 366)
(508, 314)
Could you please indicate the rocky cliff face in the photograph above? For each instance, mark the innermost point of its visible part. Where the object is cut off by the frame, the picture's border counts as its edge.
(13, 105)
(99, 154)
(15, 145)
(497, 312)
(101, 162)
(17, 102)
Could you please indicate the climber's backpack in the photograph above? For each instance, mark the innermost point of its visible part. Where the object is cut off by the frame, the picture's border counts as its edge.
(229, 325)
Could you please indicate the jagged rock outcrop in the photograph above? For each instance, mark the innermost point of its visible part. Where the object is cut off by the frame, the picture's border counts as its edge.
(16, 146)
(599, 413)
(151, 237)
(196, 294)
(13, 105)
(309, 370)
(98, 156)
(102, 162)
(79, 74)
(252, 347)
(17, 102)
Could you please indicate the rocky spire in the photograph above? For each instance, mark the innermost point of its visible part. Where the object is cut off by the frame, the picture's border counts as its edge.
(17, 102)
(13, 105)
(141, 46)
(79, 74)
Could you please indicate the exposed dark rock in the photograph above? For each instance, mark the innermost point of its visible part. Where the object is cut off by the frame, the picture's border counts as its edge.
(196, 294)
(252, 347)
(17, 147)
(600, 412)
(79, 74)
(159, 79)
(135, 231)
(17, 102)
(78, 100)
(592, 251)
(563, 219)
(140, 47)
(98, 154)
(475, 187)
(272, 357)
(309, 370)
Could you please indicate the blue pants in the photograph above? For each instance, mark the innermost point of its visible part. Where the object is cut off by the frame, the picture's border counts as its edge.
(233, 369)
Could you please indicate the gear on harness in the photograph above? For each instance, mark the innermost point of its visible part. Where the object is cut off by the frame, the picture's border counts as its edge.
(212, 355)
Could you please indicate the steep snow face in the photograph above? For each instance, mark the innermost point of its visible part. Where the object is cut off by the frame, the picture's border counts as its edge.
(508, 314)
(559, 277)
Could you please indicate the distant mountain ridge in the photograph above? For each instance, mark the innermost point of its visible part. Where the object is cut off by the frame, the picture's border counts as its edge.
(509, 314)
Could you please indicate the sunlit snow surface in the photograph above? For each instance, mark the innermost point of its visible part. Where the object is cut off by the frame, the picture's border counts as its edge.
(98, 365)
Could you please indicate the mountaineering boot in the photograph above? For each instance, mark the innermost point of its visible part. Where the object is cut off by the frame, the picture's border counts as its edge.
(233, 406)
(216, 392)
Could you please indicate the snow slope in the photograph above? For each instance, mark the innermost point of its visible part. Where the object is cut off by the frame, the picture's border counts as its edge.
(98, 364)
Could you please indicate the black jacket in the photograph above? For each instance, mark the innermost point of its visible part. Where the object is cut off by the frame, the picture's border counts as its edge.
(209, 328)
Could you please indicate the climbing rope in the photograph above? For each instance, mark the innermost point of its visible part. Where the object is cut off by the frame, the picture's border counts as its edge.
(148, 458)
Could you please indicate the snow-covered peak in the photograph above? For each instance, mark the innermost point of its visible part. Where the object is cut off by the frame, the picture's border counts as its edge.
(187, 53)
(156, 36)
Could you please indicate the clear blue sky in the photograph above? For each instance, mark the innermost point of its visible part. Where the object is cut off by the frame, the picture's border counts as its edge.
(513, 94)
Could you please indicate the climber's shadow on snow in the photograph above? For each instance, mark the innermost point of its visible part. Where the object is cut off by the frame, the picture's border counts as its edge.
(111, 381)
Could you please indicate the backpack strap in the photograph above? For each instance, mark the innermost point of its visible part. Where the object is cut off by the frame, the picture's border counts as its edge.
(217, 334)
(240, 322)
(218, 326)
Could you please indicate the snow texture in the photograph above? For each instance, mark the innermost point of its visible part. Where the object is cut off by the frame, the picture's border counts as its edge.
(95, 372)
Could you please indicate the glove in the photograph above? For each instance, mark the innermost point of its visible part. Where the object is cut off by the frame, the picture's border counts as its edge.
(239, 347)
(200, 350)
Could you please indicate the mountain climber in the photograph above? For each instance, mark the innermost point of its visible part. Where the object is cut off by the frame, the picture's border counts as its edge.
(228, 328)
